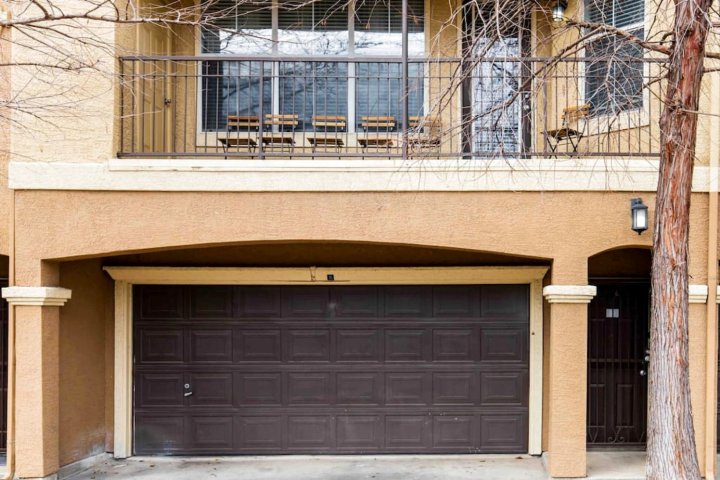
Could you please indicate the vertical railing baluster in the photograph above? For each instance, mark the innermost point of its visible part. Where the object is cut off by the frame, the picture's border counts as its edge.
(404, 79)
(122, 105)
(261, 150)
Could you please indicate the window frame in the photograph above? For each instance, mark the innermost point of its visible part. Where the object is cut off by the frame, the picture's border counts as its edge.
(625, 119)
(275, 66)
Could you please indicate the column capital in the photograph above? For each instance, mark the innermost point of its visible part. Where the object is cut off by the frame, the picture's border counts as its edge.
(697, 293)
(569, 293)
(37, 296)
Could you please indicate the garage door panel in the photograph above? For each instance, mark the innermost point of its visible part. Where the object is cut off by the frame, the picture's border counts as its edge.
(347, 369)
(453, 388)
(159, 390)
(407, 345)
(356, 302)
(307, 345)
(359, 388)
(354, 345)
(359, 432)
(161, 345)
(407, 432)
(453, 431)
(503, 388)
(305, 302)
(308, 388)
(456, 301)
(407, 302)
(258, 302)
(211, 302)
(210, 434)
(260, 345)
(162, 434)
(211, 346)
(309, 432)
(504, 344)
(504, 301)
(455, 345)
(259, 389)
(412, 388)
(503, 433)
(210, 389)
(160, 302)
(259, 433)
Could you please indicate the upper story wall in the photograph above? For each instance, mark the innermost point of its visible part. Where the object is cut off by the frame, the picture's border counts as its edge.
(73, 116)
(5, 146)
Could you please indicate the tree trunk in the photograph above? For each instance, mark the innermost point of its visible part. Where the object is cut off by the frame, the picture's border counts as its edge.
(671, 439)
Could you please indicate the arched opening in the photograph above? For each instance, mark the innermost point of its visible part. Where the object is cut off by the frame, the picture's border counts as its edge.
(307, 253)
(617, 348)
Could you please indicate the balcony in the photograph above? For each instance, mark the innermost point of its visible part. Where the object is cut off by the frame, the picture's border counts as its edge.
(283, 107)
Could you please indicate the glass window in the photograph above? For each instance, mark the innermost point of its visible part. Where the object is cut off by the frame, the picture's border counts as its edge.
(378, 90)
(313, 88)
(303, 88)
(614, 69)
(240, 29)
(317, 28)
(378, 27)
(232, 88)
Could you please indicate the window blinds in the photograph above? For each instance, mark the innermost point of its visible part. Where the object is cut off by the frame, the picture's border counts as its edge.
(618, 13)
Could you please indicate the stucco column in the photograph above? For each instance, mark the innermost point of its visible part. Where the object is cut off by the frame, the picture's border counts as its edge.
(36, 316)
(697, 297)
(568, 378)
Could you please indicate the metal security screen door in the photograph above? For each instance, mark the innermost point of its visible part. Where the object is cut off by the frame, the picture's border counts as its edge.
(499, 105)
(617, 366)
(316, 369)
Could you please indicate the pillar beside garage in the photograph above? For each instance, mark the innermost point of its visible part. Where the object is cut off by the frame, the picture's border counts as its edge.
(35, 313)
(568, 378)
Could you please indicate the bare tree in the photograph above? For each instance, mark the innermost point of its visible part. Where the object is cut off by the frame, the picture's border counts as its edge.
(671, 438)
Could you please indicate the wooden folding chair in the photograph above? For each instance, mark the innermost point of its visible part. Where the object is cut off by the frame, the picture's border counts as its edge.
(573, 128)
(425, 133)
(334, 124)
(381, 125)
(285, 123)
(237, 124)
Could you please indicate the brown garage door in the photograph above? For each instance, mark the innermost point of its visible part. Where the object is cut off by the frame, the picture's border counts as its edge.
(316, 369)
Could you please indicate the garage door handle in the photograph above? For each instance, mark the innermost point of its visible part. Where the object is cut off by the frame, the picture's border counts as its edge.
(187, 394)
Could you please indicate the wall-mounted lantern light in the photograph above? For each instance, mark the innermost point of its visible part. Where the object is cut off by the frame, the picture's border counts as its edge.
(639, 215)
(558, 11)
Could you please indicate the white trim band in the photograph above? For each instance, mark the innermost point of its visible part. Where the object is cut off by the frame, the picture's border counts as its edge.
(717, 294)
(697, 293)
(569, 293)
(345, 175)
(37, 296)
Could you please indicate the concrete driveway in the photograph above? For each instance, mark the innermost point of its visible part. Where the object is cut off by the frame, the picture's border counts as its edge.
(385, 467)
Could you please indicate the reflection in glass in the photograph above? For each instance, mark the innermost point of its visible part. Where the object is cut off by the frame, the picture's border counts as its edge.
(379, 90)
(313, 88)
(238, 28)
(614, 75)
(495, 99)
(378, 27)
(232, 88)
(317, 28)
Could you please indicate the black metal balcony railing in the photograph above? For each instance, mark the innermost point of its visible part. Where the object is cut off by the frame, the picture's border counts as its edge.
(279, 107)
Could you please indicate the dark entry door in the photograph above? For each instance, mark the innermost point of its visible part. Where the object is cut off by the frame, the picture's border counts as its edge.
(617, 365)
(353, 369)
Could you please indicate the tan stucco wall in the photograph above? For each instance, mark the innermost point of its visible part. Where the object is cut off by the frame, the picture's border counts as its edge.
(77, 224)
(5, 146)
(84, 322)
(562, 228)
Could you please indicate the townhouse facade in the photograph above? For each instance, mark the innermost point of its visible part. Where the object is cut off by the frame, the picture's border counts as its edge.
(343, 228)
